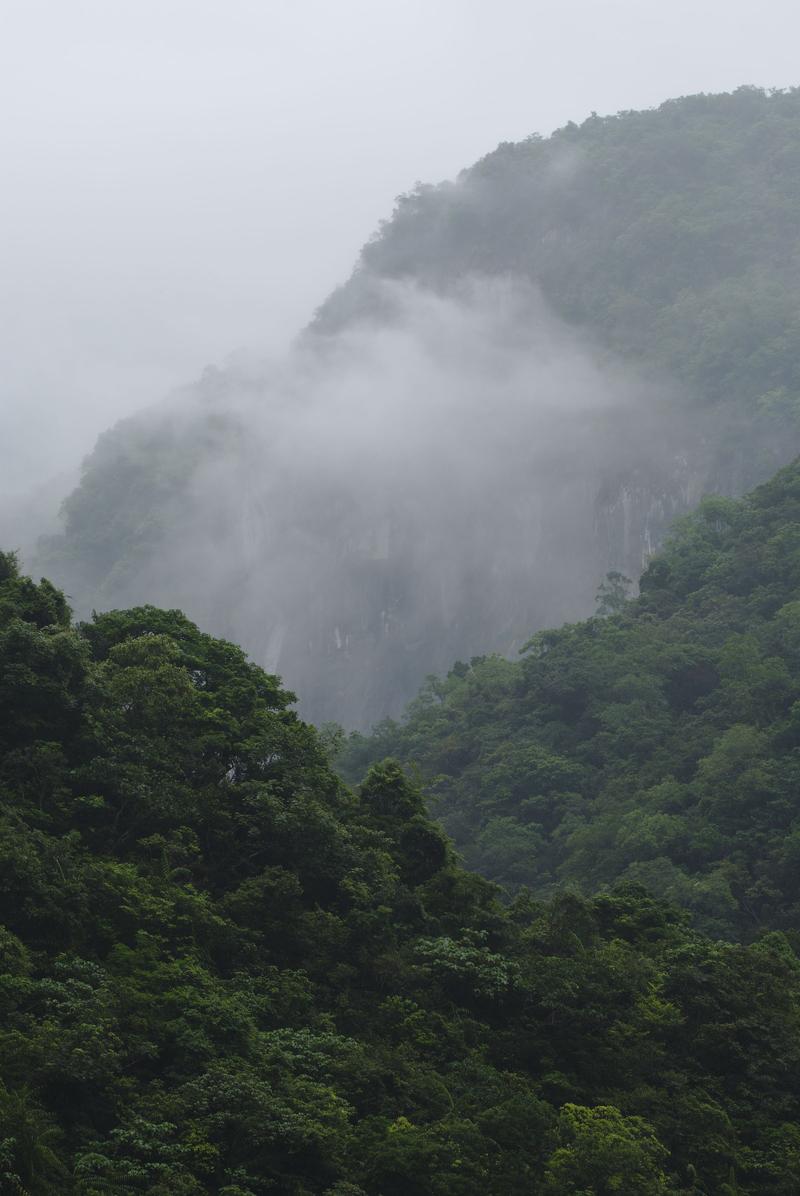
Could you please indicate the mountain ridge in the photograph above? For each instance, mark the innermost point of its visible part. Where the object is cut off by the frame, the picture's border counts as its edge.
(659, 257)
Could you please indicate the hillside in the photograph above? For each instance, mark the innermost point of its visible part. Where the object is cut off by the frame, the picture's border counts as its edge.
(672, 235)
(221, 971)
(532, 370)
(658, 745)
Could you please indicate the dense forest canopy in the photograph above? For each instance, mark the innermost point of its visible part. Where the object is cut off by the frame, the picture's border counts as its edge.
(222, 971)
(650, 359)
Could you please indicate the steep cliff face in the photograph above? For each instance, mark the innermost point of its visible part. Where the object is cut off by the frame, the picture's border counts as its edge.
(531, 371)
(386, 517)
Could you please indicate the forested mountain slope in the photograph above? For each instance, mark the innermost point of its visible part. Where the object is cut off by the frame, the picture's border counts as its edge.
(223, 972)
(531, 371)
(672, 234)
(660, 744)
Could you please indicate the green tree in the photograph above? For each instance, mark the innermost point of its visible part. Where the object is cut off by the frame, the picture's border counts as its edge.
(600, 1153)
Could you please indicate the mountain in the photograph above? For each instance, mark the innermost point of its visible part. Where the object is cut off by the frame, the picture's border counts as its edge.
(531, 372)
(659, 744)
(672, 235)
(222, 971)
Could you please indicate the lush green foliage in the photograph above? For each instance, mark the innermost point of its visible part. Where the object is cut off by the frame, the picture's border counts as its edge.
(223, 972)
(660, 745)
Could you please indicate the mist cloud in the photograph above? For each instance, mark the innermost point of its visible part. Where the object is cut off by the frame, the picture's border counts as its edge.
(432, 485)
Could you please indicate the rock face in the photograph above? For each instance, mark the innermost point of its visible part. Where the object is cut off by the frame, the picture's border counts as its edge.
(355, 597)
(394, 601)
(633, 512)
(497, 473)
(531, 372)
(354, 593)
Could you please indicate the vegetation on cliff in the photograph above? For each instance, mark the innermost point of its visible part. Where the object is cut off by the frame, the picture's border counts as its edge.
(658, 745)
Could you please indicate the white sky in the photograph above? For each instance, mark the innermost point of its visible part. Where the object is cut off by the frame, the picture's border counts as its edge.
(181, 178)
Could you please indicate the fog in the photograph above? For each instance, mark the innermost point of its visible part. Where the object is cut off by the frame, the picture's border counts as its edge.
(380, 502)
(182, 178)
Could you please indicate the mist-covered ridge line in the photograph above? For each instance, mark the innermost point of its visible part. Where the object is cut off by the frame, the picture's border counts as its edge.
(532, 372)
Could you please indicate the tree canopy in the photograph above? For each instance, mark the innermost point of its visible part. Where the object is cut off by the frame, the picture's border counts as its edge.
(223, 971)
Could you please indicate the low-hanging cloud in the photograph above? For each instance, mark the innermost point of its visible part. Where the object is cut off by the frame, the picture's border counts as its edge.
(431, 485)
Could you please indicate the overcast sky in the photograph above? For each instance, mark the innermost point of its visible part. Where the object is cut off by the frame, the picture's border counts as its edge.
(181, 178)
